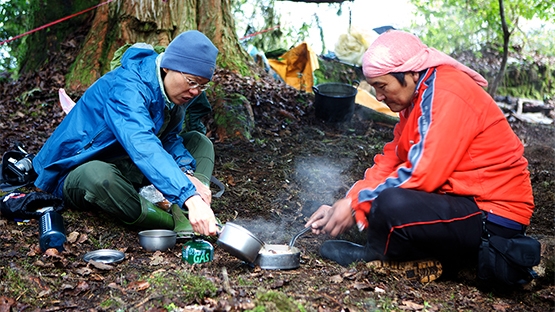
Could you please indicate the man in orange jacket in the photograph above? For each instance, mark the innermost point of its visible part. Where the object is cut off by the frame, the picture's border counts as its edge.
(453, 157)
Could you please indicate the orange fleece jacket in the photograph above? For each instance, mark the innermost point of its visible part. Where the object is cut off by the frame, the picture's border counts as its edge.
(454, 139)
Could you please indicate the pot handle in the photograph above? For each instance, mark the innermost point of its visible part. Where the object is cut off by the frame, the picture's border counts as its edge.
(292, 242)
(315, 89)
(356, 83)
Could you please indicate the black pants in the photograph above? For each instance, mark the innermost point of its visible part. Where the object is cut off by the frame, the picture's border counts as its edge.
(411, 225)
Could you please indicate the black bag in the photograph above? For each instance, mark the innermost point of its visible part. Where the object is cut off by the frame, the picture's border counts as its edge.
(509, 260)
(24, 206)
(16, 170)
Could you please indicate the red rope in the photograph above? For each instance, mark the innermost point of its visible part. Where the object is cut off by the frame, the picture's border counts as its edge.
(54, 22)
(259, 32)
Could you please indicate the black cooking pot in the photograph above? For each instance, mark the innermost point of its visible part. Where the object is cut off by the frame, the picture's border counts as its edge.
(334, 102)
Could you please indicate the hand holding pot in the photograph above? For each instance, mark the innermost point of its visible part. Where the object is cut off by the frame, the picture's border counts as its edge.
(201, 216)
(332, 220)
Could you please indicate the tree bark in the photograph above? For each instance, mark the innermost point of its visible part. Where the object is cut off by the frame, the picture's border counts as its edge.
(155, 22)
(34, 50)
(492, 88)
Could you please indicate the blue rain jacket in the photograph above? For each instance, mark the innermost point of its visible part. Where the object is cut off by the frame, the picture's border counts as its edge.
(121, 115)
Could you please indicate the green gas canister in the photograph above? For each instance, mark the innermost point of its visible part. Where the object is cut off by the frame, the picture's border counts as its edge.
(197, 251)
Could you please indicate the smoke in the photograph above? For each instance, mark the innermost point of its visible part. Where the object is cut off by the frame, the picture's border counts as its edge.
(316, 181)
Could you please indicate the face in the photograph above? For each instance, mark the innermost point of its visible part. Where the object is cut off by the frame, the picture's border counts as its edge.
(180, 87)
(396, 96)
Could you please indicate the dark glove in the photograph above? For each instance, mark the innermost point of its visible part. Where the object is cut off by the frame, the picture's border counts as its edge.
(25, 206)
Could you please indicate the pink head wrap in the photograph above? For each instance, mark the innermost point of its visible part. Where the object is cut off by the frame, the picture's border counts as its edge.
(397, 51)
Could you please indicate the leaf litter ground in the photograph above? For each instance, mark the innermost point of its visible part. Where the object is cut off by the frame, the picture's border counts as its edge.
(293, 164)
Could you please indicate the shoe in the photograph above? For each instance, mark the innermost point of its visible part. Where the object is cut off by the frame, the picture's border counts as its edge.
(424, 271)
(346, 253)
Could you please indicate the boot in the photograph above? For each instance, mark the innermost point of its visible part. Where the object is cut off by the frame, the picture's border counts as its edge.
(345, 253)
(182, 225)
(152, 217)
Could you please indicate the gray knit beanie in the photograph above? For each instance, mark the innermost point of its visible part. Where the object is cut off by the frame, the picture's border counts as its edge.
(191, 52)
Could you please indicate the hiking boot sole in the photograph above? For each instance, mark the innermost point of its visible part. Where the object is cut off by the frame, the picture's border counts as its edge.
(424, 271)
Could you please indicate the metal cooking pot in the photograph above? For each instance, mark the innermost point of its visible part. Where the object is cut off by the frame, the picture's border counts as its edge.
(278, 257)
(281, 257)
(239, 242)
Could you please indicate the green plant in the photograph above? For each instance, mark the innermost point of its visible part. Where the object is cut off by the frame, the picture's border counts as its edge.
(275, 301)
(189, 287)
(16, 283)
(110, 303)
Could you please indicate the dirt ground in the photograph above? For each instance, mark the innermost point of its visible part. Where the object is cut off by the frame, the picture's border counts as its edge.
(273, 183)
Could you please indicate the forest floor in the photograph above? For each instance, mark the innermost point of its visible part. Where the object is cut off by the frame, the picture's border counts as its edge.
(274, 181)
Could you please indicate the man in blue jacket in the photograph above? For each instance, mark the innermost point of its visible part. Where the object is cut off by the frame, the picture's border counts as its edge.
(125, 132)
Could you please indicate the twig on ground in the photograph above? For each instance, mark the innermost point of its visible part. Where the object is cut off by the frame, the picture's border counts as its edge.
(227, 286)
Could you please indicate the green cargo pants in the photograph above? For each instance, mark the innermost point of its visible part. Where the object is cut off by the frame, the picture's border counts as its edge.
(112, 186)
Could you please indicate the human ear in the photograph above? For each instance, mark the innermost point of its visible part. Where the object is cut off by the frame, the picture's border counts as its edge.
(415, 76)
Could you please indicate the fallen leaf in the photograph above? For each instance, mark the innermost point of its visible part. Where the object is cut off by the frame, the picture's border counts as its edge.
(101, 265)
(82, 238)
(500, 307)
(53, 252)
(138, 285)
(277, 284)
(83, 271)
(6, 304)
(72, 237)
(96, 277)
(66, 286)
(230, 180)
(44, 293)
(38, 282)
(82, 287)
(360, 286)
(336, 279)
(409, 305)
(116, 286)
(156, 259)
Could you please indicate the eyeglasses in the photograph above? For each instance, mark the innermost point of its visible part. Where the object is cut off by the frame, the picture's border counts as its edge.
(195, 85)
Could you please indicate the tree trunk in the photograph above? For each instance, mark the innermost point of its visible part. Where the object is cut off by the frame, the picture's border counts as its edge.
(34, 50)
(155, 22)
(492, 88)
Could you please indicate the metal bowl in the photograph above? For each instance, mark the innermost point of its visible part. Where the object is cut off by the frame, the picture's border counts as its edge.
(239, 242)
(153, 240)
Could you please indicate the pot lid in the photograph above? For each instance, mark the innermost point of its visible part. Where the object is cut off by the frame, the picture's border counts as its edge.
(104, 256)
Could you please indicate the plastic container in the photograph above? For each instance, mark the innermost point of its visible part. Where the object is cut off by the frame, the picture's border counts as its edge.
(197, 251)
(52, 233)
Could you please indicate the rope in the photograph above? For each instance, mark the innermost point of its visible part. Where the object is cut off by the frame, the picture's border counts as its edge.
(258, 33)
(54, 22)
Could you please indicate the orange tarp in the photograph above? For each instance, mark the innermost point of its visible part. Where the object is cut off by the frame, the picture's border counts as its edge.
(365, 98)
(296, 66)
